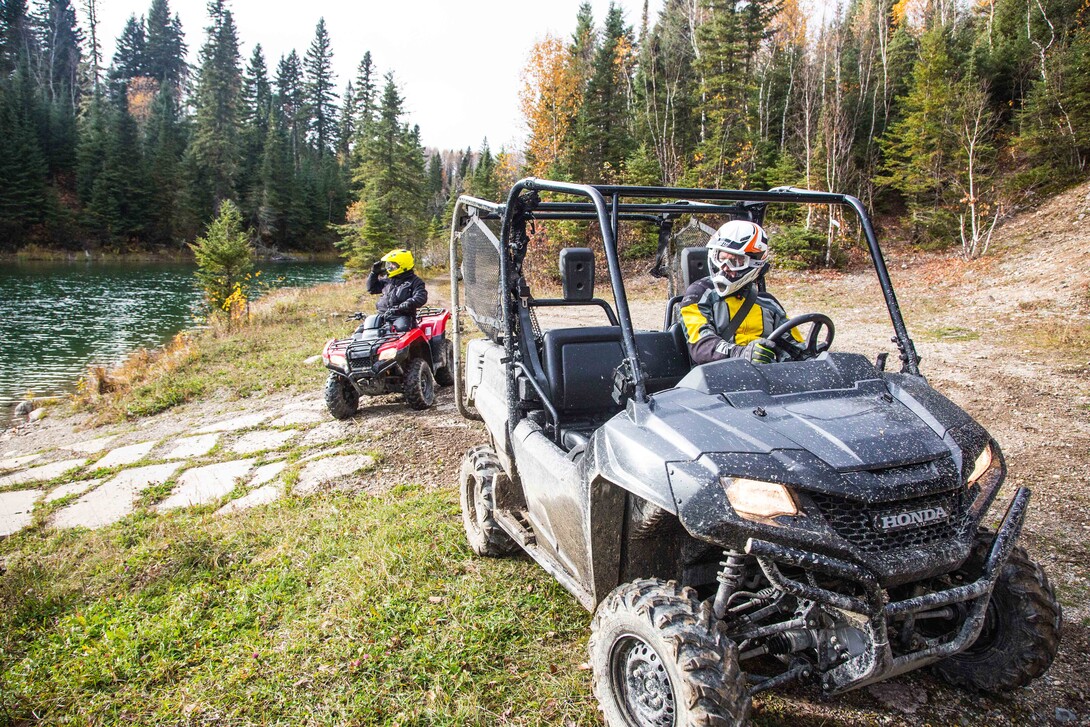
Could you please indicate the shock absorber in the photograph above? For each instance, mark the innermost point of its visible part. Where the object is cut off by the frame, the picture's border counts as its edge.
(732, 570)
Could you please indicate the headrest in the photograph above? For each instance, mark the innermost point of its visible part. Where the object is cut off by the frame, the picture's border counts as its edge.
(694, 265)
(577, 273)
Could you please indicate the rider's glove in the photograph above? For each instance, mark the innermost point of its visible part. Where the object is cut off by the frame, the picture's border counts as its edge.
(390, 314)
(378, 267)
(759, 351)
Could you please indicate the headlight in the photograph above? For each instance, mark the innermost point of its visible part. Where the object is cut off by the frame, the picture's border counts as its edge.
(387, 354)
(756, 499)
(983, 462)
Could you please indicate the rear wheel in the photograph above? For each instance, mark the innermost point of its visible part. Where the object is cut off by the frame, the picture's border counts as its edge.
(341, 399)
(661, 658)
(481, 470)
(419, 387)
(1021, 631)
(444, 373)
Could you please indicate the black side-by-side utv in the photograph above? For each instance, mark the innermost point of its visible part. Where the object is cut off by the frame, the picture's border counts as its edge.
(734, 527)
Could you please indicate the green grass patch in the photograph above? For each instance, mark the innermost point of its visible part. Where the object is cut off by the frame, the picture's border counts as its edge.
(949, 333)
(347, 609)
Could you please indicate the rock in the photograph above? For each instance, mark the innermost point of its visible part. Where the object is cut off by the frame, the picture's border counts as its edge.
(130, 454)
(44, 472)
(12, 463)
(24, 408)
(75, 488)
(321, 471)
(205, 484)
(15, 510)
(246, 421)
(260, 496)
(114, 500)
(904, 698)
(304, 416)
(92, 446)
(190, 447)
(262, 440)
(329, 432)
(267, 473)
(313, 359)
(1065, 715)
(38, 414)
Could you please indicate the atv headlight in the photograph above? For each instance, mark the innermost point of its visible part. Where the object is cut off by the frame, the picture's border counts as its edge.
(387, 354)
(983, 462)
(759, 500)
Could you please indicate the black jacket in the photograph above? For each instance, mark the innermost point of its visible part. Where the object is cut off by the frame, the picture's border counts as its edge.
(402, 294)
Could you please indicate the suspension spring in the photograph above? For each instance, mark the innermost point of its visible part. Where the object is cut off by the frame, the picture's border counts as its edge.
(732, 571)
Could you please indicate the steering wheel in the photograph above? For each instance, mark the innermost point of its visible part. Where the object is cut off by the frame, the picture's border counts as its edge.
(785, 343)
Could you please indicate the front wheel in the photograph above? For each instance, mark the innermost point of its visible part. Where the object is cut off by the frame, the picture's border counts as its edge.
(660, 658)
(419, 387)
(342, 400)
(1021, 631)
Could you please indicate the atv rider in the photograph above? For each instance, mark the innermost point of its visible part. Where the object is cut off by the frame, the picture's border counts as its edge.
(400, 290)
(724, 314)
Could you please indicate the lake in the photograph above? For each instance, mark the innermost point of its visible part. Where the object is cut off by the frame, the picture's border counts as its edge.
(57, 318)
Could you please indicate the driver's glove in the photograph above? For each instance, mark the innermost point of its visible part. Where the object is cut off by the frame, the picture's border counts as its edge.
(759, 351)
(378, 267)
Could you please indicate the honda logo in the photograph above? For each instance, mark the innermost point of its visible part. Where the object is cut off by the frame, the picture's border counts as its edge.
(909, 519)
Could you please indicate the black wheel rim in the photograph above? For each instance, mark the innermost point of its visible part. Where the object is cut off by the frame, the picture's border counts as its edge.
(641, 683)
(427, 388)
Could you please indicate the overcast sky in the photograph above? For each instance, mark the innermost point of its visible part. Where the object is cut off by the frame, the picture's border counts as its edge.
(457, 63)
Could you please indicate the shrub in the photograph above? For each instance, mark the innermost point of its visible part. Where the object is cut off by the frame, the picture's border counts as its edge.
(225, 258)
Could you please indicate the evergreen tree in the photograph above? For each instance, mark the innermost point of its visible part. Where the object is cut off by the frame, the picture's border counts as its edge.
(346, 124)
(61, 39)
(164, 146)
(212, 159)
(603, 136)
(131, 56)
(365, 92)
(290, 94)
(24, 197)
(921, 148)
(165, 46)
(17, 41)
(390, 208)
(318, 65)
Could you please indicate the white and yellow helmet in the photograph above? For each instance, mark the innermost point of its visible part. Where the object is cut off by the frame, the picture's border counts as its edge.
(737, 254)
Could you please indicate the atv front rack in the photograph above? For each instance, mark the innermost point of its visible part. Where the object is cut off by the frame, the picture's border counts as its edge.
(879, 663)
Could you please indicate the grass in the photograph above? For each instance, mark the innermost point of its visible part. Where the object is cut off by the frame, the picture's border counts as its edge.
(287, 327)
(347, 609)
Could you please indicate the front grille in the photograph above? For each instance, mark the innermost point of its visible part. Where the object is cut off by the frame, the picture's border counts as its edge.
(855, 521)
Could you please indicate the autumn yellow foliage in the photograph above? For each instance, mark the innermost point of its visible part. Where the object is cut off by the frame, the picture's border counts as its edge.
(549, 99)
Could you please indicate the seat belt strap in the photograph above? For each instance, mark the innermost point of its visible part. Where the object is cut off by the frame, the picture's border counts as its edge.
(740, 315)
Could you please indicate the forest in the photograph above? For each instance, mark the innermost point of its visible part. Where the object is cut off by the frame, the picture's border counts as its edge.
(942, 117)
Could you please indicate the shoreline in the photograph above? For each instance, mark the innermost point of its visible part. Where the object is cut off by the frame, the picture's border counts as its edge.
(54, 255)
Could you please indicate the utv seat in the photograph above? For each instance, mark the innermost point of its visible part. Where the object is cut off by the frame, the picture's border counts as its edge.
(579, 364)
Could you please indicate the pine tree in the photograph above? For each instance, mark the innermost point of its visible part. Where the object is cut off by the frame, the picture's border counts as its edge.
(131, 56)
(164, 146)
(290, 94)
(365, 92)
(390, 207)
(61, 39)
(921, 148)
(23, 194)
(165, 46)
(256, 109)
(346, 124)
(212, 159)
(321, 98)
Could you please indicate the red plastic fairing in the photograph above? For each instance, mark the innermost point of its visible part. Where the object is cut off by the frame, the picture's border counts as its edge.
(434, 325)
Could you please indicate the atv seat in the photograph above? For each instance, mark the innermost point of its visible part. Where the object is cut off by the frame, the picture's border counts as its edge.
(579, 364)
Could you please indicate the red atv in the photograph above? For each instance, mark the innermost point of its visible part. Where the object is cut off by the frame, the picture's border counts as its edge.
(379, 360)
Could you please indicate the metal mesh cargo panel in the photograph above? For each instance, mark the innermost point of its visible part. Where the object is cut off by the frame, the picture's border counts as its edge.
(481, 277)
(694, 234)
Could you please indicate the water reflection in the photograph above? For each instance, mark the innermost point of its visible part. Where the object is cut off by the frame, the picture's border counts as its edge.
(58, 318)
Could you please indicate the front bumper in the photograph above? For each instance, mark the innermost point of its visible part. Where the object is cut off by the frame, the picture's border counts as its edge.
(878, 662)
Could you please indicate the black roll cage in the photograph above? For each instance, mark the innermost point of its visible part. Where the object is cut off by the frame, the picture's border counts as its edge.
(605, 206)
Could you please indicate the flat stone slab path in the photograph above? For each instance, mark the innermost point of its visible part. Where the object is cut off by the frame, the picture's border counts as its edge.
(238, 461)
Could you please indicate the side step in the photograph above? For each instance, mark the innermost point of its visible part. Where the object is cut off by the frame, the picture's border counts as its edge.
(516, 524)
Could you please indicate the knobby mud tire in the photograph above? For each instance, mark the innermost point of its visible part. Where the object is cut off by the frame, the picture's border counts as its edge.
(481, 470)
(649, 521)
(444, 375)
(1021, 633)
(419, 387)
(700, 662)
(340, 398)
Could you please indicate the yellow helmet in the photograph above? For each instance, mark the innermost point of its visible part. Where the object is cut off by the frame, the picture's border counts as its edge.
(398, 262)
